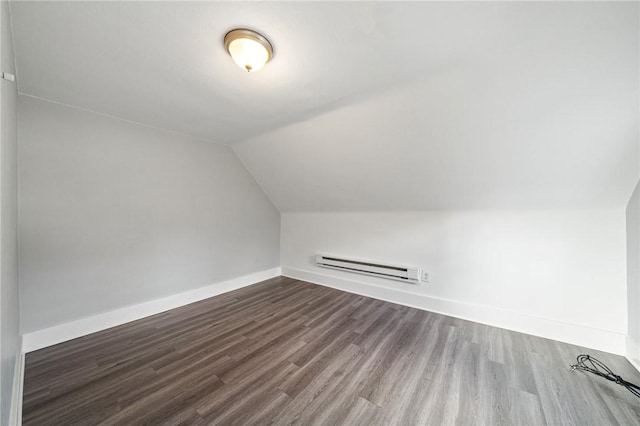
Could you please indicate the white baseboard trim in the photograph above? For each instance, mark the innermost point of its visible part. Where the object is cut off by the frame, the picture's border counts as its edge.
(587, 337)
(633, 352)
(61, 333)
(15, 414)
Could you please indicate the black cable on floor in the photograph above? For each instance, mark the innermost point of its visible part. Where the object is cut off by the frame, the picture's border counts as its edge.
(592, 365)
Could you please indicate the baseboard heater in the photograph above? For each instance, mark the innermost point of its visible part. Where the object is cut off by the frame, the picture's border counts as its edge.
(381, 270)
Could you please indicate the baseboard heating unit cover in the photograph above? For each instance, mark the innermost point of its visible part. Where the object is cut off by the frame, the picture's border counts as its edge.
(406, 274)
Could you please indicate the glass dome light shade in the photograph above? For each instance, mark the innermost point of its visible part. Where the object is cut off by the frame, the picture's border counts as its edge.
(248, 49)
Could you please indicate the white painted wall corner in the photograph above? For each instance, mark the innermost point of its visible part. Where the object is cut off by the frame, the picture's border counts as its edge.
(588, 337)
(60, 333)
(633, 352)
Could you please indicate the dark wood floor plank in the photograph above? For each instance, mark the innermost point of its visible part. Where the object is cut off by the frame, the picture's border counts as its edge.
(289, 352)
(257, 393)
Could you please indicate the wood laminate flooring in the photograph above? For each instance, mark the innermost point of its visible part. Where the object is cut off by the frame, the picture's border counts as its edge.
(290, 352)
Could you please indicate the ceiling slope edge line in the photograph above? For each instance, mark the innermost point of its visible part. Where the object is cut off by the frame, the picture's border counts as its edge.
(115, 117)
(262, 188)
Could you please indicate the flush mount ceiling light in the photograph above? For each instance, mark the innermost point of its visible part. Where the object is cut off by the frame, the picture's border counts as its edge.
(249, 49)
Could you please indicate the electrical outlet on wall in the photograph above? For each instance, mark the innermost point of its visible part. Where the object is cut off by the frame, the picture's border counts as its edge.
(425, 277)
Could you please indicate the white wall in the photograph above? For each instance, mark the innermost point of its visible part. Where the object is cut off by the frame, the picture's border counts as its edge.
(559, 274)
(633, 277)
(9, 304)
(114, 213)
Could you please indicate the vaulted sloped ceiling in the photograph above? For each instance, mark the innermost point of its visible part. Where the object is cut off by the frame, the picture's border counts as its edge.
(368, 106)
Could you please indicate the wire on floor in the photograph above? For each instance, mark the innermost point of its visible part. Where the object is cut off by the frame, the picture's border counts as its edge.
(591, 365)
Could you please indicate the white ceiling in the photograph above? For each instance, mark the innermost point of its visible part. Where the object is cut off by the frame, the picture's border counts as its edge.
(164, 64)
(367, 105)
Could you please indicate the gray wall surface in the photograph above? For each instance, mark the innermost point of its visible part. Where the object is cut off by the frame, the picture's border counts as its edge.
(633, 269)
(9, 303)
(113, 213)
